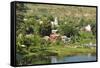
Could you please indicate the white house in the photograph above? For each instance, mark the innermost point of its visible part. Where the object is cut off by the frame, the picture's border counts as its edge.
(55, 22)
(88, 28)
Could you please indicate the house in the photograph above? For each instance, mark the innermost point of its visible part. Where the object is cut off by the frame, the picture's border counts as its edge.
(87, 28)
(55, 22)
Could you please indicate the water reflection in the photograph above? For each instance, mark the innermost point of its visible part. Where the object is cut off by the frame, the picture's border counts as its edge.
(89, 55)
(77, 58)
(56, 59)
(53, 59)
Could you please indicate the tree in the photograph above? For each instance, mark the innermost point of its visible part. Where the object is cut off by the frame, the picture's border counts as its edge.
(94, 31)
(69, 30)
(20, 14)
(45, 27)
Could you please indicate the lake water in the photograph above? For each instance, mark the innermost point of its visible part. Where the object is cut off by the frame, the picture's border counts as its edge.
(77, 58)
(56, 59)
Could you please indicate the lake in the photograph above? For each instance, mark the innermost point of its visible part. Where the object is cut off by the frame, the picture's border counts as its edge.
(77, 58)
(63, 59)
(56, 59)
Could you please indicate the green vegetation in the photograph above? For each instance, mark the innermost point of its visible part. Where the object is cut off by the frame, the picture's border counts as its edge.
(33, 22)
(72, 50)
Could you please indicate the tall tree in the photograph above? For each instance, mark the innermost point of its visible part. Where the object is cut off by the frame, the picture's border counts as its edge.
(20, 11)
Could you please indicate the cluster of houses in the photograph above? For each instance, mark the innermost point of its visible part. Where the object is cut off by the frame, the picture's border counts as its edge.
(55, 35)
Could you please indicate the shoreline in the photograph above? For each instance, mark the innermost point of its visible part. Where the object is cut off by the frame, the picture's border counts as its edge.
(64, 51)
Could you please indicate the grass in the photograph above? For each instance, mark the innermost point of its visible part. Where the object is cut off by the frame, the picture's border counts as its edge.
(69, 51)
